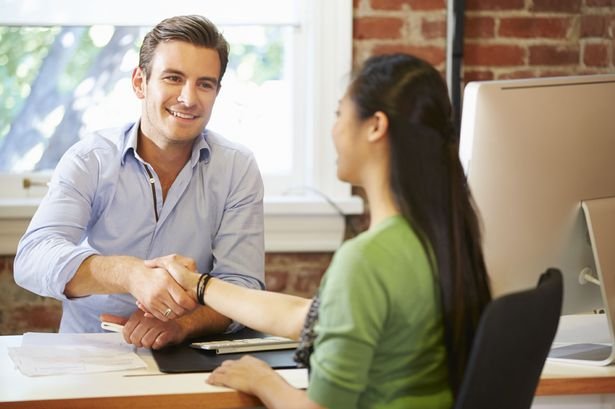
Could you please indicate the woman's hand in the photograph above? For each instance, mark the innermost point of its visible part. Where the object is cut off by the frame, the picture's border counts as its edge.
(247, 374)
(182, 269)
(253, 376)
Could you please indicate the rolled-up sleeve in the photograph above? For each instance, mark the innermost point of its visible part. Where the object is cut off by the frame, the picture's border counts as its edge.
(238, 246)
(51, 250)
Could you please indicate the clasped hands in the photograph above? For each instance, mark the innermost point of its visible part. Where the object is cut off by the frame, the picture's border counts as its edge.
(183, 271)
(165, 291)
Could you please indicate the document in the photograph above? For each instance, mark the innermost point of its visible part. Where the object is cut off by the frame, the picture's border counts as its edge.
(43, 354)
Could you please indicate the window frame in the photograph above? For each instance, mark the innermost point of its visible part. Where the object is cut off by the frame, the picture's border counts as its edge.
(297, 221)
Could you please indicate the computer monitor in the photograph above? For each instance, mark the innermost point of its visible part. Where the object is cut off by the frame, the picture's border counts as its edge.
(536, 152)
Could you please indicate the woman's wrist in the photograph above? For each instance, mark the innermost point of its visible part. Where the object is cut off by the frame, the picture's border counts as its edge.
(201, 286)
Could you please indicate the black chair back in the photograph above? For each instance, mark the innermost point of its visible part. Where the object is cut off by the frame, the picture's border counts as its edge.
(512, 342)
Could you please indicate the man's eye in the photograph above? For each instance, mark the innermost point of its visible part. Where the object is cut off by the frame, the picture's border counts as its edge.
(208, 85)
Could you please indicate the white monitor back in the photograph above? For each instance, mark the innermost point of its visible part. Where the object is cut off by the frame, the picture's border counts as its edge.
(533, 149)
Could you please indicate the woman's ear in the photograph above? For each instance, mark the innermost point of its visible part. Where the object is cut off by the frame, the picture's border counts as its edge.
(138, 82)
(378, 126)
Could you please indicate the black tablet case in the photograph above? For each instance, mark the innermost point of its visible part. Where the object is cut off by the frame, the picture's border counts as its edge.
(183, 358)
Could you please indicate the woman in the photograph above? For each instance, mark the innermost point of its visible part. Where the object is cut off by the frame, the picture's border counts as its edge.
(393, 321)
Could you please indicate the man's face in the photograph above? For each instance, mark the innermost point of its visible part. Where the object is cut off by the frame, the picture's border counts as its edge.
(180, 93)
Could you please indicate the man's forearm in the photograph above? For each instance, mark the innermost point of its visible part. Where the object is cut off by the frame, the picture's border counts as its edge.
(100, 275)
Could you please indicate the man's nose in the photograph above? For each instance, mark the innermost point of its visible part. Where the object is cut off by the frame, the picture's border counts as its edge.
(187, 95)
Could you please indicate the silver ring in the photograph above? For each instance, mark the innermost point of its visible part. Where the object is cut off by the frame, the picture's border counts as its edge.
(167, 312)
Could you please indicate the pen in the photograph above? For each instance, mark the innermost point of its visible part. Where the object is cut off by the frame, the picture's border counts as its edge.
(110, 326)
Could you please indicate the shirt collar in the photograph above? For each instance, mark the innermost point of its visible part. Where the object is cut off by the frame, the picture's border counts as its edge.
(201, 151)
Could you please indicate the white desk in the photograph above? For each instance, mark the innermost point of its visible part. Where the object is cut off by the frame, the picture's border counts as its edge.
(578, 386)
(562, 387)
(135, 389)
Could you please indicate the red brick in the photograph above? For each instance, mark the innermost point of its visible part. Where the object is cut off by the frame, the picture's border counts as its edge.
(377, 27)
(388, 4)
(38, 317)
(595, 25)
(293, 261)
(413, 4)
(493, 55)
(6, 264)
(600, 3)
(431, 54)
(560, 73)
(553, 55)
(427, 5)
(307, 282)
(564, 6)
(276, 280)
(534, 27)
(595, 55)
(479, 27)
(433, 28)
(472, 5)
(515, 74)
(469, 75)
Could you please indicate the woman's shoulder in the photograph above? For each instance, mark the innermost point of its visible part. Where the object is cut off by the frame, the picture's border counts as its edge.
(390, 244)
(390, 233)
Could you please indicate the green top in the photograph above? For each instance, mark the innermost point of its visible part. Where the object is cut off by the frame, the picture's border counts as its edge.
(380, 341)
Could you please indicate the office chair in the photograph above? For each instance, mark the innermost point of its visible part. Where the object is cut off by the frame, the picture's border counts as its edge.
(512, 341)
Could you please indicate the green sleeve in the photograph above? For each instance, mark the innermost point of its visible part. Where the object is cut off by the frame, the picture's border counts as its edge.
(352, 313)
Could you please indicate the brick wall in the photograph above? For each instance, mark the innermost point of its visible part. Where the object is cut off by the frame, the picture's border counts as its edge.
(531, 38)
(411, 26)
(504, 39)
(22, 311)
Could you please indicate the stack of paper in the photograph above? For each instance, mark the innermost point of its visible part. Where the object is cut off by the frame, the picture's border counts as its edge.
(54, 354)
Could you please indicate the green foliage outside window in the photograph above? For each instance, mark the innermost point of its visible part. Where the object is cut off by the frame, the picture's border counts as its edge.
(58, 60)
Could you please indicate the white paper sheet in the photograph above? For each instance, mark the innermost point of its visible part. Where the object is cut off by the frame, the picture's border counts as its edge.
(55, 354)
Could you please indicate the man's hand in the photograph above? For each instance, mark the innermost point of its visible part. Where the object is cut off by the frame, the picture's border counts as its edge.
(148, 332)
(160, 293)
(152, 286)
(182, 269)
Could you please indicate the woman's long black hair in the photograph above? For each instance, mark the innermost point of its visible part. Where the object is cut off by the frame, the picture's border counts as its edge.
(430, 188)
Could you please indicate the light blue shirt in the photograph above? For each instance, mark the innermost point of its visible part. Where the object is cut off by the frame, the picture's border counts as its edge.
(100, 201)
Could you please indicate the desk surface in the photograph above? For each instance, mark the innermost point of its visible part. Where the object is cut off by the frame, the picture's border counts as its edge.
(151, 389)
(134, 389)
(574, 379)
(577, 379)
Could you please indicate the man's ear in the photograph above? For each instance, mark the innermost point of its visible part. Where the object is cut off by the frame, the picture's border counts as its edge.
(138, 82)
(378, 127)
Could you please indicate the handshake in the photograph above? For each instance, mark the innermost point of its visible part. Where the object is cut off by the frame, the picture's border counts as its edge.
(176, 288)
(165, 289)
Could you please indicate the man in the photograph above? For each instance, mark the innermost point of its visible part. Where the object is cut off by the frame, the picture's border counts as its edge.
(164, 185)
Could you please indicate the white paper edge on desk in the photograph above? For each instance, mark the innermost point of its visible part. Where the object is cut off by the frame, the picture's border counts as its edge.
(55, 354)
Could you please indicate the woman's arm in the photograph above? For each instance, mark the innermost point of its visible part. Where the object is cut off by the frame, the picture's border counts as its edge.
(265, 311)
(255, 377)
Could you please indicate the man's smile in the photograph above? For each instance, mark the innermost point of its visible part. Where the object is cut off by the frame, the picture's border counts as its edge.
(182, 115)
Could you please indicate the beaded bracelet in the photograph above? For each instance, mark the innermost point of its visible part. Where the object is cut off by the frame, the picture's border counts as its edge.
(200, 288)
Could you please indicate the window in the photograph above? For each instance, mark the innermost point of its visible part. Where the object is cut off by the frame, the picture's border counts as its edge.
(66, 71)
(63, 82)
